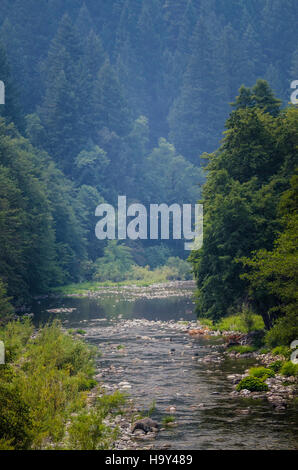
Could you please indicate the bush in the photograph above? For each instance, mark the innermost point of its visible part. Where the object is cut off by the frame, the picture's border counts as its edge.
(289, 369)
(207, 323)
(15, 420)
(284, 331)
(243, 323)
(111, 403)
(115, 263)
(45, 385)
(253, 384)
(276, 366)
(88, 432)
(264, 351)
(282, 351)
(181, 269)
(261, 372)
(15, 336)
(168, 420)
(242, 349)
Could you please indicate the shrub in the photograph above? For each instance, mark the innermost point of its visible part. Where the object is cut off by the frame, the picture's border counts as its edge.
(276, 366)
(88, 432)
(261, 372)
(284, 331)
(180, 269)
(15, 336)
(253, 384)
(167, 420)
(111, 403)
(243, 323)
(207, 322)
(264, 351)
(15, 420)
(289, 369)
(242, 349)
(282, 351)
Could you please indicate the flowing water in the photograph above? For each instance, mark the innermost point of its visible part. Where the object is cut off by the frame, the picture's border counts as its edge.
(140, 333)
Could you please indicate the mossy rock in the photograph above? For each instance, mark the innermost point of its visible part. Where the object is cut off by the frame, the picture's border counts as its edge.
(262, 372)
(253, 384)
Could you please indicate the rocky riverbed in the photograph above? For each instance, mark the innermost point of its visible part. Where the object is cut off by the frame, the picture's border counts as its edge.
(151, 360)
(149, 352)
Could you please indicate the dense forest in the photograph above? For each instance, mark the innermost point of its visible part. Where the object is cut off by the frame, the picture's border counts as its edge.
(130, 97)
(164, 102)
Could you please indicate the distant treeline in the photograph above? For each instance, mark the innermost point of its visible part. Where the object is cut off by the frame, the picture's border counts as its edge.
(115, 97)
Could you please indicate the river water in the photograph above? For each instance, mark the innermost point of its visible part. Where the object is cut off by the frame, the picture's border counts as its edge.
(141, 335)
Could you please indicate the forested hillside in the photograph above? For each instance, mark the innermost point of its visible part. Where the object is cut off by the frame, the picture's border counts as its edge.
(115, 97)
(107, 310)
(249, 257)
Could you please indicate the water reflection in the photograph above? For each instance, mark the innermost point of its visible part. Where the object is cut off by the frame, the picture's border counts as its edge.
(164, 367)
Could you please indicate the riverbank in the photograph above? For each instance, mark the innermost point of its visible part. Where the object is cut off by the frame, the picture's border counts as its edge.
(273, 378)
(181, 380)
(188, 377)
(132, 288)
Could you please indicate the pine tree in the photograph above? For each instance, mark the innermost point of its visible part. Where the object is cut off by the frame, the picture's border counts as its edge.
(196, 115)
(84, 23)
(65, 91)
(110, 107)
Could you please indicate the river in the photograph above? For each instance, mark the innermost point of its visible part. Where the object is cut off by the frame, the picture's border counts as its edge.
(141, 335)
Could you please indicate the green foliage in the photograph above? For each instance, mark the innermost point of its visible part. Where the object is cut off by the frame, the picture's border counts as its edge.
(248, 179)
(277, 271)
(282, 351)
(207, 322)
(289, 369)
(41, 238)
(284, 331)
(44, 387)
(253, 384)
(181, 270)
(152, 408)
(111, 403)
(276, 366)
(240, 323)
(260, 96)
(169, 177)
(243, 349)
(6, 309)
(81, 332)
(15, 419)
(166, 420)
(115, 263)
(88, 432)
(15, 336)
(261, 372)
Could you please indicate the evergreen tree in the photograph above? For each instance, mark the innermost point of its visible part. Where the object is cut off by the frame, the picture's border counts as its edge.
(84, 23)
(196, 114)
(60, 112)
(110, 107)
(246, 178)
